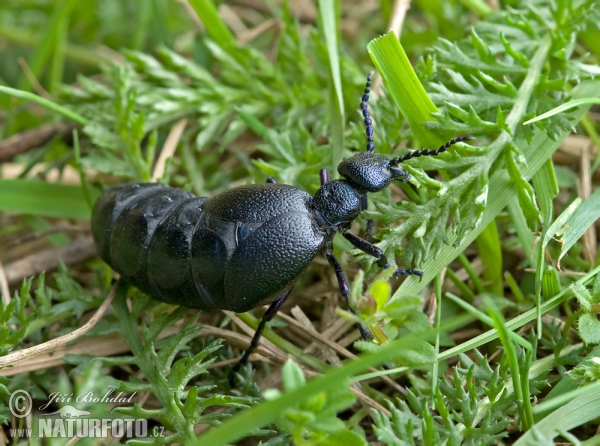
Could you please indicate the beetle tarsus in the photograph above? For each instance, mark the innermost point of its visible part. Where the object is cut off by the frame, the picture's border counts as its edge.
(409, 272)
(269, 314)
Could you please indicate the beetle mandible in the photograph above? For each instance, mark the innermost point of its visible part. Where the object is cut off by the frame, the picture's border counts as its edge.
(245, 247)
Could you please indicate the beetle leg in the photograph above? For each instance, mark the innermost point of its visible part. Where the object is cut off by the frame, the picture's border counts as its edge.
(369, 230)
(324, 176)
(410, 272)
(367, 247)
(345, 290)
(271, 180)
(374, 251)
(269, 314)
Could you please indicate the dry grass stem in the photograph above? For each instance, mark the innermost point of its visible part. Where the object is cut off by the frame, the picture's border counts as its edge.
(22, 355)
(79, 250)
(168, 149)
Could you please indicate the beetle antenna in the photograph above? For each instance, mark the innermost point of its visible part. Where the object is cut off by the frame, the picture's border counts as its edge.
(366, 114)
(428, 152)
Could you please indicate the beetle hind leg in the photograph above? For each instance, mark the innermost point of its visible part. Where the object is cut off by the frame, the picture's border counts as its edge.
(269, 314)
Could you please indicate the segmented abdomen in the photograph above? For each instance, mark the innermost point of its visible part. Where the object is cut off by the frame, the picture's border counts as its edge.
(152, 235)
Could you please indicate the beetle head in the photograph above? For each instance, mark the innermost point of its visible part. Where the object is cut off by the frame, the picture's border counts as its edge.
(371, 172)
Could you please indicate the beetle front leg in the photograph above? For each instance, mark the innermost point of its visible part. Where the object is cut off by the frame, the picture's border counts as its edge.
(269, 314)
(345, 290)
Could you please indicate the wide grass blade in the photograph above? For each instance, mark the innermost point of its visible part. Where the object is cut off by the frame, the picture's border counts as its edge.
(575, 413)
(328, 28)
(47, 199)
(404, 86)
(217, 29)
(585, 216)
(518, 321)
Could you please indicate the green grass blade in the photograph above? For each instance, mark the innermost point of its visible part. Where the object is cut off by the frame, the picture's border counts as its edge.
(564, 107)
(328, 29)
(47, 199)
(59, 35)
(217, 29)
(258, 416)
(553, 403)
(490, 251)
(486, 319)
(86, 55)
(46, 48)
(404, 86)
(45, 103)
(523, 402)
(575, 413)
(580, 221)
(544, 182)
(518, 321)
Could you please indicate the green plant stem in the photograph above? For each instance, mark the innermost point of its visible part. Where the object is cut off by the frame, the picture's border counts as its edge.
(44, 102)
(518, 321)
(467, 294)
(513, 362)
(284, 345)
(437, 283)
(77, 53)
(486, 319)
(471, 272)
(129, 330)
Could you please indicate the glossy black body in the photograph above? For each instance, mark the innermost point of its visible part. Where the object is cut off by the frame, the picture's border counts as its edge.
(243, 248)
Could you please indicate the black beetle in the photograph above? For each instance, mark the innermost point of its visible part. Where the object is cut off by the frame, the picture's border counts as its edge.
(247, 246)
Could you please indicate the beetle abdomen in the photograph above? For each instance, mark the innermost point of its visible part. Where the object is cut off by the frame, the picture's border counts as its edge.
(207, 253)
(145, 232)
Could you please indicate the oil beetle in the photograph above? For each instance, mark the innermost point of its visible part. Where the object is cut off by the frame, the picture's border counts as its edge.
(245, 247)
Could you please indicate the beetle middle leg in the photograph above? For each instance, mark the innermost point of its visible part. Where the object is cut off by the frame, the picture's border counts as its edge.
(376, 252)
(269, 314)
(345, 290)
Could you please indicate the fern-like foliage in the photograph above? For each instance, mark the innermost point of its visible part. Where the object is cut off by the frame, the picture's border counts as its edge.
(150, 93)
(473, 406)
(315, 421)
(177, 378)
(484, 85)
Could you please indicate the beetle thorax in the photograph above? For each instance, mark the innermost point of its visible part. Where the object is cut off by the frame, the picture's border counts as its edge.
(337, 202)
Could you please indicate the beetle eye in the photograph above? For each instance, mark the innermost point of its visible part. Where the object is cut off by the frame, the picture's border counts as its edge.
(386, 172)
(398, 172)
